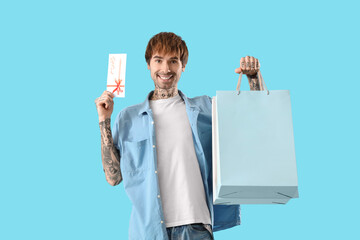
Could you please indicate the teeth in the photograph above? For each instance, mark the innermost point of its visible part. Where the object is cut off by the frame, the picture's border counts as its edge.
(165, 77)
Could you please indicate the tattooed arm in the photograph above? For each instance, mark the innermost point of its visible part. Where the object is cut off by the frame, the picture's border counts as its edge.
(254, 83)
(109, 154)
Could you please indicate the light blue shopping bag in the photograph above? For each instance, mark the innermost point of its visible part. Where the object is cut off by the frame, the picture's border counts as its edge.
(253, 147)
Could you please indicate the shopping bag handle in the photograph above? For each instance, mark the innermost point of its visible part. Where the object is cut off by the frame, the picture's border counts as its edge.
(261, 83)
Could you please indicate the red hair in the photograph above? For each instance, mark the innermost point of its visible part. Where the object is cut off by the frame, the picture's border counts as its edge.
(167, 43)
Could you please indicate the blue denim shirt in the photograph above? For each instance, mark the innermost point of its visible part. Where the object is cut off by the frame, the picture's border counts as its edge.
(134, 137)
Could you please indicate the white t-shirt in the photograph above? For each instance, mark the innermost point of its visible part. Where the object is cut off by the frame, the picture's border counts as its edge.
(181, 187)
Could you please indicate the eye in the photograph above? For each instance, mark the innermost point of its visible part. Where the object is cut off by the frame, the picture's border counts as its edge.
(157, 60)
(174, 61)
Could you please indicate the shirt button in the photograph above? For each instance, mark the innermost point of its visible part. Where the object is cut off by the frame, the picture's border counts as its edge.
(158, 196)
(162, 222)
(153, 146)
(155, 171)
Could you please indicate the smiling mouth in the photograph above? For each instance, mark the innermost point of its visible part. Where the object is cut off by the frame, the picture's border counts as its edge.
(165, 77)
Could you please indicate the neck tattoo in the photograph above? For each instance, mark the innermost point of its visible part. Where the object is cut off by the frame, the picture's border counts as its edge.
(164, 93)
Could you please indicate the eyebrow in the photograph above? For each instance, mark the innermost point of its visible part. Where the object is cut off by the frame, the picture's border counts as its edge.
(162, 57)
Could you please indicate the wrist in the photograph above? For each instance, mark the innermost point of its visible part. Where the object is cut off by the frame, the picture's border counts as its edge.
(252, 75)
(102, 119)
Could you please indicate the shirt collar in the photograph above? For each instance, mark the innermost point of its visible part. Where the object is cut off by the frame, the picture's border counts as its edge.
(145, 106)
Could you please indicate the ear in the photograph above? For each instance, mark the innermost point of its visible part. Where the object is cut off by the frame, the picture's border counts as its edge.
(183, 68)
(148, 65)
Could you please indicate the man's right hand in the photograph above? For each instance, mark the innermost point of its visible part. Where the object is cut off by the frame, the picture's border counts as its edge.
(109, 153)
(105, 105)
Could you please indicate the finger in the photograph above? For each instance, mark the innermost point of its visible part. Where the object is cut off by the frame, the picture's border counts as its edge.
(107, 104)
(110, 94)
(247, 63)
(104, 93)
(252, 63)
(101, 103)
(97, 101)
(105, 101)
(257, 65)
(242, 63)
(238, 70)
(107, 93)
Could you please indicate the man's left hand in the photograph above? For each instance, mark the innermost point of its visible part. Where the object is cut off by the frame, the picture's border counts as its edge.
(249, 66)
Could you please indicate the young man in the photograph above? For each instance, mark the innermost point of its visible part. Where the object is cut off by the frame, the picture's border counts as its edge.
(163, 148)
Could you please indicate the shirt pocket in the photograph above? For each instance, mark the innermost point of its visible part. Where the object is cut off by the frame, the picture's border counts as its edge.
(136, 156)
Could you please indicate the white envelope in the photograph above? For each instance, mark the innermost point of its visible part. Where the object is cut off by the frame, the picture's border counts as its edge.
(116, 74)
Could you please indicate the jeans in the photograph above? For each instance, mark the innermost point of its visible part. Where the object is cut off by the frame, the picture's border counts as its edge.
(196, 231)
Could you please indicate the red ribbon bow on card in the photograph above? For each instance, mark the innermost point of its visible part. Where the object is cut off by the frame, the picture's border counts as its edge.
(118, 86)
(118, 82)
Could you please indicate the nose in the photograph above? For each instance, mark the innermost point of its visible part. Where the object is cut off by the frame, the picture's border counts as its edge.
(165, 67)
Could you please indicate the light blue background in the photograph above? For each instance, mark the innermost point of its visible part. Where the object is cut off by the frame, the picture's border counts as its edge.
(54, 64)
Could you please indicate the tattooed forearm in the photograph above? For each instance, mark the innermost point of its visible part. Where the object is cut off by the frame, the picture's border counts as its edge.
(109, 154)
(254, 82)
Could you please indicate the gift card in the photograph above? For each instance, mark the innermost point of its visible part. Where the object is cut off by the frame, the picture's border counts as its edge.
(116, 74)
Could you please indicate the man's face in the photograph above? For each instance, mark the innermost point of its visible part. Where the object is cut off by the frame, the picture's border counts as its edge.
(165, 70)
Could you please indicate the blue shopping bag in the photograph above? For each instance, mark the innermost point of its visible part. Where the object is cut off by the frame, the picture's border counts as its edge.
(253, 147)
